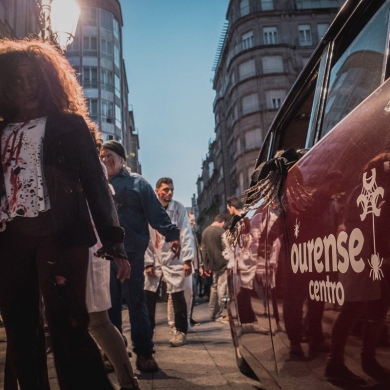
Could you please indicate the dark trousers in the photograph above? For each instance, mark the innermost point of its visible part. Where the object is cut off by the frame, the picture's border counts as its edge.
(133, 291)
(195, 278)
(293, 320)
(27, 256)
(375, 312)
(179, 308)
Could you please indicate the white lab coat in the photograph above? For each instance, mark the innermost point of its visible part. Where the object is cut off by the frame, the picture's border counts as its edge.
(159, 255)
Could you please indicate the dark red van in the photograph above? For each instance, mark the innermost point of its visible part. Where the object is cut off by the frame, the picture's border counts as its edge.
(310, 286)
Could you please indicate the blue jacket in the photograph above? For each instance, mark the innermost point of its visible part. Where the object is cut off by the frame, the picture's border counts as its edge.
(138, 206)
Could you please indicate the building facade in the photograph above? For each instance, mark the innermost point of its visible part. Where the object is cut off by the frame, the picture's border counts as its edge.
(96, 54)
(265, 45)
(19, 19)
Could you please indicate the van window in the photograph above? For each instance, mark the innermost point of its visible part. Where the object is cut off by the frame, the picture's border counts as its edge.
(358, 69)
(292, 130)
(317, 105)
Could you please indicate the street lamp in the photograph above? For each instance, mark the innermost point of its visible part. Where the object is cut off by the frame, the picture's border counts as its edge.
(59, 21)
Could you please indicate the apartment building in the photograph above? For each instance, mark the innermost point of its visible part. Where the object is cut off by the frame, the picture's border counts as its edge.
(264, 46)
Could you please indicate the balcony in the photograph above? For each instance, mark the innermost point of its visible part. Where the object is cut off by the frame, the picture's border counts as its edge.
(259, 43)
(315, 4)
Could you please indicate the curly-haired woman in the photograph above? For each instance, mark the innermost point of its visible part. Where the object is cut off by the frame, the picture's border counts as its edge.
(49, 171)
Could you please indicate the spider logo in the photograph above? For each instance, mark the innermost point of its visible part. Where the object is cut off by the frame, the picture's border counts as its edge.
(375, 265)
(369, 199)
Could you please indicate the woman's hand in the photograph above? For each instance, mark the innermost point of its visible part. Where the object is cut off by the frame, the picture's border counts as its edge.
(124, 268)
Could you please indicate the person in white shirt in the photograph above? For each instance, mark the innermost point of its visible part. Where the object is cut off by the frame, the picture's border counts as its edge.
(159, 262)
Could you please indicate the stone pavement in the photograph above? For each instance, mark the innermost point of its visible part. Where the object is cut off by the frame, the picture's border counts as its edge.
(206, 362)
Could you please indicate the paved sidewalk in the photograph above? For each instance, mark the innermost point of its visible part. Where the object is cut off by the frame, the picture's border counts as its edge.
(206, 362)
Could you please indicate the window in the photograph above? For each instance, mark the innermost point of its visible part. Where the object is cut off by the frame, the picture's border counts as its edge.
(235, 112)
(247, 40)
(270, 35)
(93, 108)
(253, 139)
(250, 103)
(90, 43)
(250, 172)
(116, 56)
(118, 116)
(244, 7)
(106, 80)
(116, 28)
(200, 186)
(117, 86)
(220, 175)
(304, 35)
(241, 182)
(75, 45)
(275, 98)
(233, 78)
(321, 29)
(358, 70)
(107, 111)
(77, 73)
(89, 77)
(267, 5)
(238, 146)
(105, 20)
(105, 46)
(247, 69)
(89, 16)
(211, 168)
(272, 64)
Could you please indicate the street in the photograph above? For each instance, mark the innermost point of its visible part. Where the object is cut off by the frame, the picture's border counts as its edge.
(206, 362)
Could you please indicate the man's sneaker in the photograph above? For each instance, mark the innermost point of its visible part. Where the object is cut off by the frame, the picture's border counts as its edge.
(323, 347)
(339, 372)
(190, 329)
(372, 368)
(222, 319)
(173, 330)
(296, 351)
(146, 363)
(193, 322)
(178, 339)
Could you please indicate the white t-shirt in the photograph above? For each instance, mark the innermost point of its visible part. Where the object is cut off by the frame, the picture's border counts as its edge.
(22, 159)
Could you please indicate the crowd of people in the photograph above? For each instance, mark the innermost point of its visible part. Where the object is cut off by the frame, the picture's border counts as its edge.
(80, 234)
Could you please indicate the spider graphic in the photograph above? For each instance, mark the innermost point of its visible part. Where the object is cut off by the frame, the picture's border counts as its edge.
(375, 265)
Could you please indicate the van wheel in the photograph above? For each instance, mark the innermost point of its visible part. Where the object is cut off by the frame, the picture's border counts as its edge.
(242, 365)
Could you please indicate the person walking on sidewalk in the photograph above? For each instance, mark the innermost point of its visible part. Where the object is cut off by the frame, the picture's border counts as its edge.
(50, 175)
(137, 206)
(198, 268)
(214, 261)
(98, 302)
(160, 262)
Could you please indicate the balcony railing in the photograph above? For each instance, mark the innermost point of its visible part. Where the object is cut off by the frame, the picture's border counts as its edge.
(269, 6)
(313, 4)
(260, 42)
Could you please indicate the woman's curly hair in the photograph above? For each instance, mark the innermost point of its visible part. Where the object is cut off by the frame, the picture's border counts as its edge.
(57, 79)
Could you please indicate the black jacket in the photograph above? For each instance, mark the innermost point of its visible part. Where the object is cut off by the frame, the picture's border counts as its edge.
(73, 176)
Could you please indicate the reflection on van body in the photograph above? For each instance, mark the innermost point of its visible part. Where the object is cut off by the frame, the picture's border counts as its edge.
(310, 287)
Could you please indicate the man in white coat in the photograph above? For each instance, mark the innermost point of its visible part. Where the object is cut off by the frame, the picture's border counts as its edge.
(160, 262)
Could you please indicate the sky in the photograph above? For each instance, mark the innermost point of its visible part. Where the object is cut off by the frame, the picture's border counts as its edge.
(169, 48)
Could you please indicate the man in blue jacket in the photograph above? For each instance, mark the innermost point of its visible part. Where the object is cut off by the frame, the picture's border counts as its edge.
(137, 206)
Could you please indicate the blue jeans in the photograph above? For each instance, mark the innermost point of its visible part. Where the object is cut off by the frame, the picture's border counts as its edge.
(217, 292)
(133, 291)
